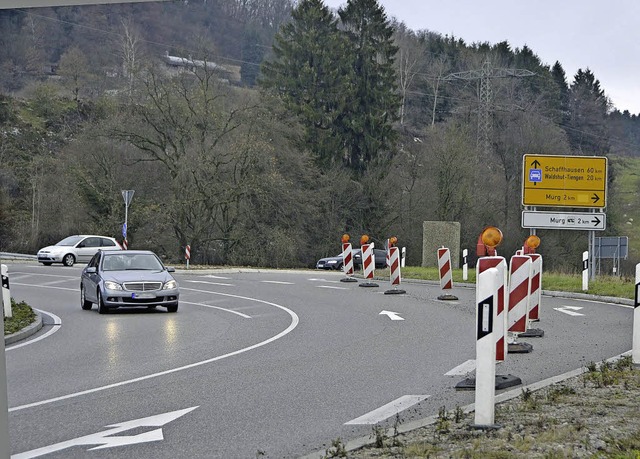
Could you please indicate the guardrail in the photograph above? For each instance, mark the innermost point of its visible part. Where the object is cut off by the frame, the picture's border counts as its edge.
(16, 256)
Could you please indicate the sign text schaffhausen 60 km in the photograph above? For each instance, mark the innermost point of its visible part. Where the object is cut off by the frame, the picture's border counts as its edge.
(564, 181)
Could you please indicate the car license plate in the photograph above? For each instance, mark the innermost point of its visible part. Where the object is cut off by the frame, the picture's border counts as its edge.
(143, 296)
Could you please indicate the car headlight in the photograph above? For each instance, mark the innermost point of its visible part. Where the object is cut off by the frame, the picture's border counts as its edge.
(112, 285)
(170, 285)
(332, 262)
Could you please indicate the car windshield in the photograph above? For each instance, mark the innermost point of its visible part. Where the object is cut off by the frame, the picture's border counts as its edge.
(70, 241)
(126, 262)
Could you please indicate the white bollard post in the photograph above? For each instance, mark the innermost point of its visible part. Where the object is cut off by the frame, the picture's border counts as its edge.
(5, 451)
(487, 282)
(465, 265)
(502, 301)
(403, 258)
(6, 295)
(635, 352)
(585, 271)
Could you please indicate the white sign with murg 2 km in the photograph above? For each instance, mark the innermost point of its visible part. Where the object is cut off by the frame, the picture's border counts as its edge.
(564, 220)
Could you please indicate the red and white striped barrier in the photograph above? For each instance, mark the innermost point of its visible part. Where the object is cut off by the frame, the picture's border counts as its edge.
(125, 245)
(499, 329)
(519, 288)
(368, 262)
(394, 266)
(444, 268)
(347, 258)
(536, 287)
(187, 254)
(518, 315)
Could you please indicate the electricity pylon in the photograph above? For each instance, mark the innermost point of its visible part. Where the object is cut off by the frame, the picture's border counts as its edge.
(485, 75)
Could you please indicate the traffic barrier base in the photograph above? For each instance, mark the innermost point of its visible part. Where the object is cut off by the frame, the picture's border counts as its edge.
(502, 382)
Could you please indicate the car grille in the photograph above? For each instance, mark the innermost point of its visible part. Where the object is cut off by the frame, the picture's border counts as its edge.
(142, 286)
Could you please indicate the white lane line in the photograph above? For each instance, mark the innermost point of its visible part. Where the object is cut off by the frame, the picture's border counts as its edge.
(209, 283)
(569, 310)
(462, 369)
(46, 286)
(277, 282)
(217, 307)
(331, 287)
(56, 322)
(388, 410)
(294, 323)
(313, 279)
(40, 274)
(211, 276)
(59, 281)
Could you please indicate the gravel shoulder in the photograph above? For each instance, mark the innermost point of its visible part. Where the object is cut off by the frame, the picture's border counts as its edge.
(593, 414)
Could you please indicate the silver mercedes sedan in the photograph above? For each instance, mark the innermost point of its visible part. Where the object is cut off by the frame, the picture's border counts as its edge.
(128, 278)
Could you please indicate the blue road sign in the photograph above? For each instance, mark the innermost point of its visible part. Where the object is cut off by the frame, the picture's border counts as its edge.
(535, 175)
(124, 230)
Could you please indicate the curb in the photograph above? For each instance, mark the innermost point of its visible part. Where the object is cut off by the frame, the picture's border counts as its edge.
(27, 331)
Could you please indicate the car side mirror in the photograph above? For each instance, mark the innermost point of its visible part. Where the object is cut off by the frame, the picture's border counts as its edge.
(171, 269)
(91, 270)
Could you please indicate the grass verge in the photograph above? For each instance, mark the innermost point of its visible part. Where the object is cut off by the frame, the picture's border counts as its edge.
(22, 316)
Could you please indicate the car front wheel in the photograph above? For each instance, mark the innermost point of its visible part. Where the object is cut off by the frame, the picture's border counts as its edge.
(86, 305)
(172, 308)
(102, 309)
(68, 260)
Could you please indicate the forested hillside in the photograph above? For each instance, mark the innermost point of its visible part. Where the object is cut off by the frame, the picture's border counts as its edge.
(260, 131)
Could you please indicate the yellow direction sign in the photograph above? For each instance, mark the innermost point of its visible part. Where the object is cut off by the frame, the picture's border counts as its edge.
(564, 181)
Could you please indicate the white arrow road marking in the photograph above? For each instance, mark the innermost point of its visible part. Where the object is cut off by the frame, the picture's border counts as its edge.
(462, 369)
(277, 282)
(570, 310)
(392, 315)
(209, 283)
(388, 410)
(103, 439)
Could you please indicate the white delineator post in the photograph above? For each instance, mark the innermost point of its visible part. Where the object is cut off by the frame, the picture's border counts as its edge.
(536, 287)
(500, 327)
(585, 271)
(488, 282)
(6, 294)
(465, 265)
(403, 257)
(444, 268)
(635, 352)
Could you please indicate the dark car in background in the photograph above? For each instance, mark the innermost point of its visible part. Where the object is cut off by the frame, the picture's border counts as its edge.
(337, 262)
(128, 278)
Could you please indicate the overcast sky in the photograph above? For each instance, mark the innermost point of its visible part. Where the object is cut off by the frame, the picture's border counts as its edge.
(602, 36)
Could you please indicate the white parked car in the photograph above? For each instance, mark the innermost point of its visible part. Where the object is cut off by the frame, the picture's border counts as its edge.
(74, 249)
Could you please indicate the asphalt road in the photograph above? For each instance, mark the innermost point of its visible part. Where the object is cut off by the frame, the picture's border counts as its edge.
(273, 364)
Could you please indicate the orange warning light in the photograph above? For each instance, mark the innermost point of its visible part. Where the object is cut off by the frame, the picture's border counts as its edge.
(533, 242)
(393, 241)
(364, 239)
(345, 238)
(491, 236)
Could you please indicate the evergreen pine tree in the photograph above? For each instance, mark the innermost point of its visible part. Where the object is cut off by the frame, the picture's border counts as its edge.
(374, 102)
